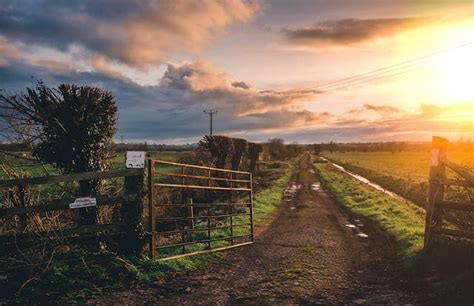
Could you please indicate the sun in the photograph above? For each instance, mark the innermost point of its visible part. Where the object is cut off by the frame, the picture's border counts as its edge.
(446, 72)
(454, 68)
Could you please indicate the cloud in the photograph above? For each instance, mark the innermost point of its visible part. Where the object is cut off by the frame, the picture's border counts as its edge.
(395, 124)
(134, 32)
(294, 119)
(172, 111)
(102, 65)
(241, 84)
(199, 84)
(174, 108)
(348, 32)
(380, 109)
(7, 51)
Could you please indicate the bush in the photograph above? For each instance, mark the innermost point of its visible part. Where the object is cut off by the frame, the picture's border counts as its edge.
(70, 127)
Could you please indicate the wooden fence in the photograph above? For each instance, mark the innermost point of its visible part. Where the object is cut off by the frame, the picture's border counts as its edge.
(438, 206)
(213, 212)
(222, 217)
(128, 224)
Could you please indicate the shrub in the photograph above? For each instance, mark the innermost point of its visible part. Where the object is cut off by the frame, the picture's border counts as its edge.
(70, 127)
(240, 148)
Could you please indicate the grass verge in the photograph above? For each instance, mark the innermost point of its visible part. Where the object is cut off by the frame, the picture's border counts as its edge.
(442, 276)
(402, 220)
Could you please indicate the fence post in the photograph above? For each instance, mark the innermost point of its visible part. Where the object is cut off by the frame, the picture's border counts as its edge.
(131, 212)
(151, 208)
(251, 206)
(436, 186)
(23, 217)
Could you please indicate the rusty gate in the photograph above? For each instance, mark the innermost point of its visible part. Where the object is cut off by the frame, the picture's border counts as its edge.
(196, 209)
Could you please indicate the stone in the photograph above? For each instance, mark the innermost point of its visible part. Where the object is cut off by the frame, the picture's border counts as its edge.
(359, 301)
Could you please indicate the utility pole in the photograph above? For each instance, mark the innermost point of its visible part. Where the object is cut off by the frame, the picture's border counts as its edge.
(210, 112)
(121, 137)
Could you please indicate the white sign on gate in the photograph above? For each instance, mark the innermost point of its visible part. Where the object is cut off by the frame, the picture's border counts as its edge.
(135, 159)
(83, 202)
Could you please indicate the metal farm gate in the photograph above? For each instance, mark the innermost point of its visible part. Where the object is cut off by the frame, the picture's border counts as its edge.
(195, 209)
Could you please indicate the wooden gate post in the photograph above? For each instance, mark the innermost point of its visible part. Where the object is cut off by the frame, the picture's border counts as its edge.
(252, 237)
(131, 213)
(436, 186)
(151, 209)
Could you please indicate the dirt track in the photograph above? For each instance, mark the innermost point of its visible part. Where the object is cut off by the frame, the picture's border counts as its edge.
(306, 254)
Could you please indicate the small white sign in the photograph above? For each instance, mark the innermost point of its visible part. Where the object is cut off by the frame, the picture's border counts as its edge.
(135, 159)
(434, 157)
(83, 202)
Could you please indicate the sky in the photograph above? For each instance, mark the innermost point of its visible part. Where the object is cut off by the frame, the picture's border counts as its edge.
(301, 70)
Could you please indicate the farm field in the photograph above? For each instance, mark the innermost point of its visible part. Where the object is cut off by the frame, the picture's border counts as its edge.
(36, 169)
(405, 173)
(411, 166)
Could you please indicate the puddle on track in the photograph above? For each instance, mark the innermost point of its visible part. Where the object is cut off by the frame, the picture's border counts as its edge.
(356, 228)
(290, 191)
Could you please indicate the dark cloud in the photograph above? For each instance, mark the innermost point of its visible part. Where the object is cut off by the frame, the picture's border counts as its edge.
(241, 84)
(381, 109)
(347, 32)
(135, 32)
(173, 109)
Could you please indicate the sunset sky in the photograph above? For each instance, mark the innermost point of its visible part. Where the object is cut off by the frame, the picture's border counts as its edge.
(271, 68)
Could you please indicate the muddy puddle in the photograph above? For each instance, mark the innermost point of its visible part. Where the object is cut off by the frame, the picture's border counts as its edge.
(290, 191)
(356, 226)
(316, 187)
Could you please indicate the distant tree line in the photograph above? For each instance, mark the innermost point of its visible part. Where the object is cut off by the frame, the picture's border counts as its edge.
(123, 147)
(386, 146)
(276, 149)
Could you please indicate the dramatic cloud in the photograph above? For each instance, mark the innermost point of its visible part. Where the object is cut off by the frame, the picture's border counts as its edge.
(174, 108)
(347, 32)
(134, 32)
(198, 84)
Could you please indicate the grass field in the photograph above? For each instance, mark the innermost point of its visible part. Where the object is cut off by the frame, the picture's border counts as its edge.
(411, 166)
(36, 169)
(405, 173)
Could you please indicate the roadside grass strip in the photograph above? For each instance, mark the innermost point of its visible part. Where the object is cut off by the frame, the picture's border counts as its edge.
(401, 220)
(267, 200)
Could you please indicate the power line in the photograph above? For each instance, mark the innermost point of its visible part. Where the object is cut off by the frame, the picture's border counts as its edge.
(377, 78)
(210, 112)
(367, 76)
(370, 78)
